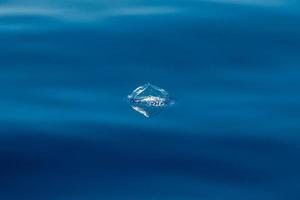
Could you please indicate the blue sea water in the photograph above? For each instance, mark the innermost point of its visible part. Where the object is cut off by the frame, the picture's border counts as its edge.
(67, 132)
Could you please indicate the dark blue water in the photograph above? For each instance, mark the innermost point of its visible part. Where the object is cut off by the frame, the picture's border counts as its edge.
(66, 132)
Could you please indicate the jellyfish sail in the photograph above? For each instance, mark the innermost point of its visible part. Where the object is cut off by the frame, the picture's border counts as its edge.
(149, 100)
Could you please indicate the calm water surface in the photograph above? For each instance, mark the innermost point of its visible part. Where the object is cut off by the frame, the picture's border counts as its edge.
(67, 133)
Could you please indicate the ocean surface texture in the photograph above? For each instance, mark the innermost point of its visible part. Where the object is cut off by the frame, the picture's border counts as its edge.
(68, 133)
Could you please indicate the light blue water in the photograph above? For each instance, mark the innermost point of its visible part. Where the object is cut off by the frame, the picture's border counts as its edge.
(66, 132)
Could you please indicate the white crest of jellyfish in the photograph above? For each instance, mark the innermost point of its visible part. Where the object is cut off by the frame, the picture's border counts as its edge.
(149, 99)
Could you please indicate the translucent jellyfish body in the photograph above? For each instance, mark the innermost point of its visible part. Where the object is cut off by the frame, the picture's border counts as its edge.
(149, 100)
